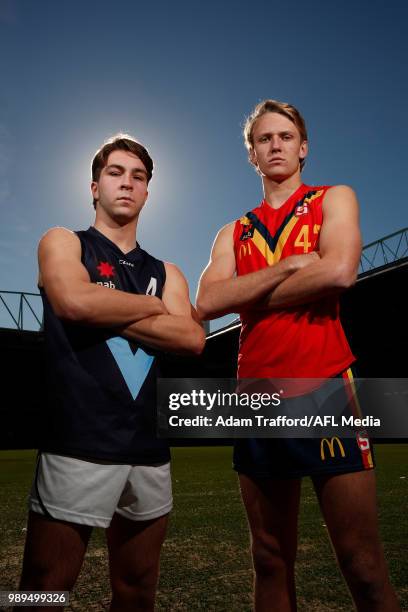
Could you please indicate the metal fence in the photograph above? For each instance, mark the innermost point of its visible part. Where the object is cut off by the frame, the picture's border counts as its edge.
(21, 310)
(24, 310)
(384, 251)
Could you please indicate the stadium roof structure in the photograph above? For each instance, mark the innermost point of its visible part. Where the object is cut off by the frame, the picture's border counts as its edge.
(388, 252)
(21, 310)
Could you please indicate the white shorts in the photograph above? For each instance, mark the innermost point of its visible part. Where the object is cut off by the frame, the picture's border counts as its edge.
(89, 492)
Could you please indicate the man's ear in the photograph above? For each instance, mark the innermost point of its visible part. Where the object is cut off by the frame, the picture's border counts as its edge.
(95, 190)
(252, 157)
(304, 149)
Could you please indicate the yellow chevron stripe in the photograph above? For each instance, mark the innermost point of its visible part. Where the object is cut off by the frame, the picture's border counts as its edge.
(283, 237)
(262, 246)
(260, 242)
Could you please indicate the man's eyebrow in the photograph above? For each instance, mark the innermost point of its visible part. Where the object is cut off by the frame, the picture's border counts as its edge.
(119, 167)
(280, 133)
(141, 170)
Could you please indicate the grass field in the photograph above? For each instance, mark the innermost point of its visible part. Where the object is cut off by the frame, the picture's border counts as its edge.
(205, 560)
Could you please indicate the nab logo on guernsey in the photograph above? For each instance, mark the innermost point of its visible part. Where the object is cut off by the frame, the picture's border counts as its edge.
(330, 445)
(106, 270)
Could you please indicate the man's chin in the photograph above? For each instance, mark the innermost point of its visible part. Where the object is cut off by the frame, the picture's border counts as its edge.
(278, 175)
(125, 217)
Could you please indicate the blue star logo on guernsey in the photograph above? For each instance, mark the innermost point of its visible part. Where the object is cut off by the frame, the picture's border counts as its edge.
(134, 367)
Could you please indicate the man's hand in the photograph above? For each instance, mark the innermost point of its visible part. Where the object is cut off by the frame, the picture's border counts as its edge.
(298, 262)
(177, 331)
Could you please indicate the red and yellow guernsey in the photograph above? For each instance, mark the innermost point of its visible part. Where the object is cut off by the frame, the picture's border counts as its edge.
(304, 341)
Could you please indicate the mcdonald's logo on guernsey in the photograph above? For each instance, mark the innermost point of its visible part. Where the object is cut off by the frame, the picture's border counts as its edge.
(244, 249)
(330, 445)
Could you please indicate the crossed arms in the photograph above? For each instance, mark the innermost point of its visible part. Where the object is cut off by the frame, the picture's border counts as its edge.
(297, 279)
(169, 323)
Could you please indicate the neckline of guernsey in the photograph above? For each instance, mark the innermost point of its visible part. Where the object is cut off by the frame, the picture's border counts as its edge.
(294, 196)
(131, 253)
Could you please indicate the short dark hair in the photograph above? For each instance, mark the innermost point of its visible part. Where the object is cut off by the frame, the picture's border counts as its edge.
(274, 106)
(120, 142)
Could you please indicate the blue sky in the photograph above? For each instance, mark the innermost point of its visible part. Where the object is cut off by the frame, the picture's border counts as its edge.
(181, 77)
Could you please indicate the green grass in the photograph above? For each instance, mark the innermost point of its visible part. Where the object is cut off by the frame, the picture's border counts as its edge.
(205, 560)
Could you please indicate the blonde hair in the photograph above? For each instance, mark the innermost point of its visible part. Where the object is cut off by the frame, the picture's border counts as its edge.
(274, 106)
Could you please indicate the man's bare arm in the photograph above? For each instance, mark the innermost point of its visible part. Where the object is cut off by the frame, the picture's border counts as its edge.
(178, 331)
(72, 295)
(220, 292)
(340, 251)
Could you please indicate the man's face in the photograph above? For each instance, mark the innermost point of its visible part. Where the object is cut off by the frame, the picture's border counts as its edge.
(121, 190)
(277, 147)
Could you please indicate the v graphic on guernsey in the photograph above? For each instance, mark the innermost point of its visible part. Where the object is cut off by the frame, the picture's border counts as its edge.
(134, 367)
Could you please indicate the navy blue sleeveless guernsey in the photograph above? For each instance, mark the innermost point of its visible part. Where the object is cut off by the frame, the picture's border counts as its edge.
(102, 387)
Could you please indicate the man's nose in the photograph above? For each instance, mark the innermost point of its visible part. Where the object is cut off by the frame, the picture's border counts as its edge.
(127, 181)
(275, 143)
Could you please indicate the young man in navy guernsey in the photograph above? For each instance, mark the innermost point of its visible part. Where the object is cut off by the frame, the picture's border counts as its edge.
(109, 308)
(282, 266)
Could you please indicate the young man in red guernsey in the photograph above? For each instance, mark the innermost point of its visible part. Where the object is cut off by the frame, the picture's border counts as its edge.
(282, 266)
